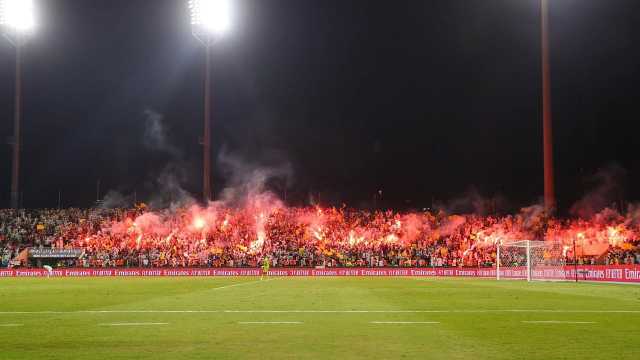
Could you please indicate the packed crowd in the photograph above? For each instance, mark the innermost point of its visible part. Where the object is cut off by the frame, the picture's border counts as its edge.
(219, 236)
(44, 228)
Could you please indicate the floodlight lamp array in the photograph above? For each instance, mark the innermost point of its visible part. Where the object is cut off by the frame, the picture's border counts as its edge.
(17, 15)
(210, 19)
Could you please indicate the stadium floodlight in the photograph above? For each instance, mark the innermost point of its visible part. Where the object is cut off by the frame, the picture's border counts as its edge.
(17, 19)
(17, 15)
(210, 19)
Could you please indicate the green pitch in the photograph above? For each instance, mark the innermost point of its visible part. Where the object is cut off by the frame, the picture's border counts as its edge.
(312, 318)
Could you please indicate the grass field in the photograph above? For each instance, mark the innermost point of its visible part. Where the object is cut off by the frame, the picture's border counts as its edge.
(331, 318)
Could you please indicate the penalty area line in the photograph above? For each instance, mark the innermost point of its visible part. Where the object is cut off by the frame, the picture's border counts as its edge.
(11, 325)
(558, 322)
(133, 324)
(404, 322)
(269, 322)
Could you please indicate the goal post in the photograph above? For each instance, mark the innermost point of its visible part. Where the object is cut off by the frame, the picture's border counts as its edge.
(531, 260)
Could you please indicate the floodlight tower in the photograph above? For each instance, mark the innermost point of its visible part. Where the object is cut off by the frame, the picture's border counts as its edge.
(18, 21)
(547, 133)
(210, 20)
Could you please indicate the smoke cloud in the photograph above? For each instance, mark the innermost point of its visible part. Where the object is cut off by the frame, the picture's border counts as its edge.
(155, 137)
(247, 180)
(115, 199)
(607, 186)
(474, 203)
(167, 188)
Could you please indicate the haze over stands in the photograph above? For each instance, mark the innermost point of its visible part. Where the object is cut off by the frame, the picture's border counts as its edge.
(224, 236)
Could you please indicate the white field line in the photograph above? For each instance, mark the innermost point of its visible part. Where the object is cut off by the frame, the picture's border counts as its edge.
(133, 324)
(269, 322)
(404, 322)
(10, 325)
(558, 322)
(437, 311)
(243, 283)
(322, 311)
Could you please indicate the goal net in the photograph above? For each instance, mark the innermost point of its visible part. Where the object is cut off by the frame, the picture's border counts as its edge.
(531, 260)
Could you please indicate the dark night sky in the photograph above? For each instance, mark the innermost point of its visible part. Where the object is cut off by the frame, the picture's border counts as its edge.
(424, 99)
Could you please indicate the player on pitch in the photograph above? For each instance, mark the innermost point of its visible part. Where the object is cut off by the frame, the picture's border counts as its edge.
(265, 267)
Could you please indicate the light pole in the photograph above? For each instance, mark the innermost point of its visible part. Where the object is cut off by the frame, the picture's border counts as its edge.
(17, 21)
(210, 19)
(547, 133)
